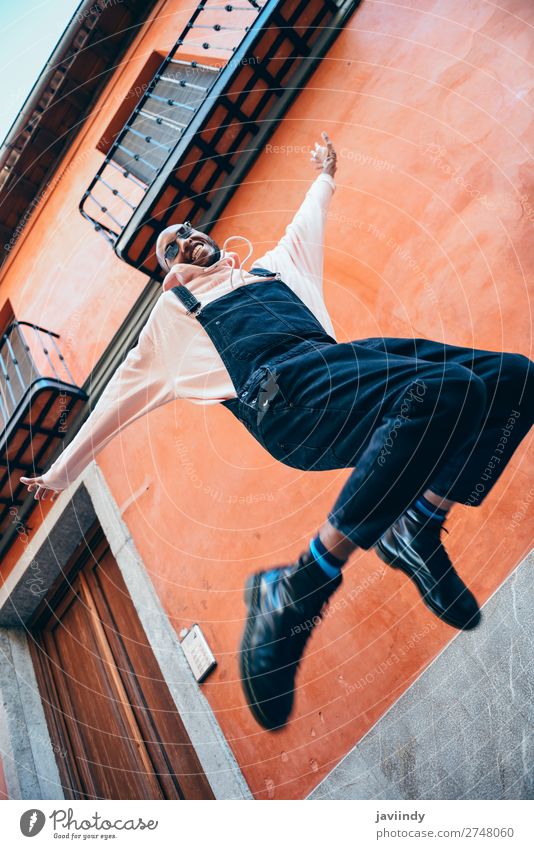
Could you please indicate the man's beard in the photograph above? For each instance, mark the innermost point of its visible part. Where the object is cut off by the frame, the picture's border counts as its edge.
(215, 256)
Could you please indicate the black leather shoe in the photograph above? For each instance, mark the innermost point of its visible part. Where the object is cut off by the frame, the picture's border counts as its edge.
(413, 544)
(284, 605)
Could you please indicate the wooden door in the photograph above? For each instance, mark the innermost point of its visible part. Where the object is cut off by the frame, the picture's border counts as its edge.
(114, 726)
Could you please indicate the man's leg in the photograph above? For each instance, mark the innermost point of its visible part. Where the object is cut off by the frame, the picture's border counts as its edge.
(425, 414)
(416, 432)
(508, 416)
(284, 605)
(472, 458)
(336, 542)
(413, 543)
(393, 417)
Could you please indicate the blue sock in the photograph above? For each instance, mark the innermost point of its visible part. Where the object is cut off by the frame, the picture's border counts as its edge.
(330, 565)
(429, 510)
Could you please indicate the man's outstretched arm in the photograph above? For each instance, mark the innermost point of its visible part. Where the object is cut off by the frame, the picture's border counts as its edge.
(302, 243)
(139, 385)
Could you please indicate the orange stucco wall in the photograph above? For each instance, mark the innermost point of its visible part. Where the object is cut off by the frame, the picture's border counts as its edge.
(429, 103)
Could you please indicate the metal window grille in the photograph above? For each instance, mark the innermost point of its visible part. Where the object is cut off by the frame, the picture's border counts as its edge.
(201, 123)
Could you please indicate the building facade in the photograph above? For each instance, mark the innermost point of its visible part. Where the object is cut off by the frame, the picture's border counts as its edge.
(154, 113)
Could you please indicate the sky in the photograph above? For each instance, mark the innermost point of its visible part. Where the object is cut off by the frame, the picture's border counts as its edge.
(29, 31)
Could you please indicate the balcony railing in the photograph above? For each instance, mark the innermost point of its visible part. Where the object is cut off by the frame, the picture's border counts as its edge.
(38, 399)
(205, 116)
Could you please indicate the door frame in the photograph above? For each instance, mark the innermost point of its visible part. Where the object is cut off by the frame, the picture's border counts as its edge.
(18, 602)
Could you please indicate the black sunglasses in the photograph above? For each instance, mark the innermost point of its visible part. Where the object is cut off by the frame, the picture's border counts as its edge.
(173, 248)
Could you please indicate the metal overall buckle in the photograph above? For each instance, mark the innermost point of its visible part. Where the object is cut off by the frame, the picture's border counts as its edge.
(264, 272)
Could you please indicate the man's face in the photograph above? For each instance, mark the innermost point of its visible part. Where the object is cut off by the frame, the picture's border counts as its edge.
(182, 243)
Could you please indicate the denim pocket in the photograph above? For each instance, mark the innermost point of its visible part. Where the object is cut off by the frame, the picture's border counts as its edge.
(301, 438)
(307, 458)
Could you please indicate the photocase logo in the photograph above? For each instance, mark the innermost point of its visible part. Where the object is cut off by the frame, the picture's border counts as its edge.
(32, 822)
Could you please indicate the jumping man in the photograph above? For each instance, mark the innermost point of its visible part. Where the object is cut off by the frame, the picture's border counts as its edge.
(419, 423)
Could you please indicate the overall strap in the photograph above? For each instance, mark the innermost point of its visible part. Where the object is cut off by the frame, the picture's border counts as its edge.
(193, 305)
(190, 302)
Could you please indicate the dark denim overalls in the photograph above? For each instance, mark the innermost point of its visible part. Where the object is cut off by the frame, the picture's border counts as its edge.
(405, 413)
(256, 328)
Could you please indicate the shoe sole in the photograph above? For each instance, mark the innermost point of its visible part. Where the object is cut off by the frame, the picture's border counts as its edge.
(385, 557)
(251, 595)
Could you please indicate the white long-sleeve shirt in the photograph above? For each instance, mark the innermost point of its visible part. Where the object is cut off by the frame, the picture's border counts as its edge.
(176, 358)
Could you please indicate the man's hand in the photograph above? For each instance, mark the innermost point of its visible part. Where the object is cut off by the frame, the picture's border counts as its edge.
(324, 156)
(41, 491)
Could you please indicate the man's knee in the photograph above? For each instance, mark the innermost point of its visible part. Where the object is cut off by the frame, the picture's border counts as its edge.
(511, 386)
(518, 371)
(460, 394)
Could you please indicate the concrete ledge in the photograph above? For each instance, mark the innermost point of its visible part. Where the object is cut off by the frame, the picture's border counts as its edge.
(465, 728)
(62, 530)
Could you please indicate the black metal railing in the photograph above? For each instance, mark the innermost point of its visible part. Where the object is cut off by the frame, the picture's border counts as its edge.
(27, 357)
(38, 398)
(202, 121)
(166, 109)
